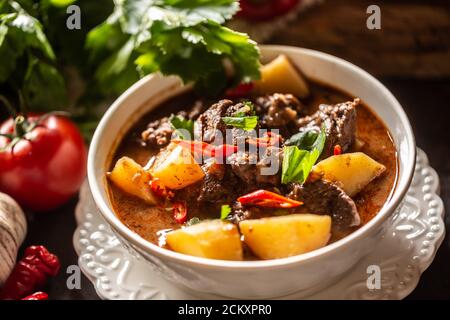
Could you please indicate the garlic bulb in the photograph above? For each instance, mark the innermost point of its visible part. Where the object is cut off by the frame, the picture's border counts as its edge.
(13, 228)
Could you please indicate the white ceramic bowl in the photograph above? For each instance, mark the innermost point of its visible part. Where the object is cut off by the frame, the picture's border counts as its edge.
(256, 279)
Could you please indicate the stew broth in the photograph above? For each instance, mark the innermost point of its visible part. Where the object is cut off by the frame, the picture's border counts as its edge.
(373, 138)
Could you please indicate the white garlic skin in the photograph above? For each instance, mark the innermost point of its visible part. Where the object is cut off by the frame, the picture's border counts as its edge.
(13, 228)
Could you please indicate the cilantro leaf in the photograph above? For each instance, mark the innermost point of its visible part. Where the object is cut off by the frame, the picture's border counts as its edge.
(304, 139)
(175, 37)
(30, 63)
(183, 127)
(246, 123)
(298, 163)
(61, 3)
(225, 210)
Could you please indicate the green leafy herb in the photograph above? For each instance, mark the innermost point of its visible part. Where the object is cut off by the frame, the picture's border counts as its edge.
(225, 210)
(298, 163)
(183, 127)
(303, 140)
(192, 221)
(179, 37)
(28, 61)
(61, 3)
(247, 123)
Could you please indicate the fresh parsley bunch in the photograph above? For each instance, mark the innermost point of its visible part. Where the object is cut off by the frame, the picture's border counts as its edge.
(176, 37)
(119, 42)
(28, 62)
(39, 54)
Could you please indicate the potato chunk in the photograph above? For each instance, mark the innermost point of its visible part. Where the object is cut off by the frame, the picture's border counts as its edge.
(285, 236)
(176, 168)
(351, 171)
(133, 179)
(280, 76)
(215, 239)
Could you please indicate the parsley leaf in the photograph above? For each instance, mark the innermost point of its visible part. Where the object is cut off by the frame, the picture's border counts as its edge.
(28, 58)
(304, 139)
(247, 123)
(225, 210)
(298, 163)
(183, 127)
(175, 37)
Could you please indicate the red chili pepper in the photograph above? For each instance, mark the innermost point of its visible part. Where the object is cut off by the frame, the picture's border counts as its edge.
(241, 90)
(223, 151)
(30, 273)
(180, 212)
(37, 296)
(206, 150)
(264, 198)
(337, 150)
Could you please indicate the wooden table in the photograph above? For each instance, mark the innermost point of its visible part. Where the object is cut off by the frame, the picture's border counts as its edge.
(410, 55)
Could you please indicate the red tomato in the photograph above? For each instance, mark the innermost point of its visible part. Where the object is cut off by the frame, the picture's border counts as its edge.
(46, 167)
(265, 9)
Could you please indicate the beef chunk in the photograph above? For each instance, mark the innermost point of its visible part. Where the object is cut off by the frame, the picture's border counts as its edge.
(158, 133)
(340, 122)
(209, 125)
(219, 185)
(278, 110)
(323, 197)
(252, 171)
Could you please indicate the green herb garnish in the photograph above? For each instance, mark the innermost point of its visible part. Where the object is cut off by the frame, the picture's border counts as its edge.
(298, 163)
(28, 60)
(247, 123)
(176, 37)
(303, 140)
(183, 127)
(225, 210)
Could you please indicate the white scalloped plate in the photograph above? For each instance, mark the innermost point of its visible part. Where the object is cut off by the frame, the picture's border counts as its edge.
(412, 238)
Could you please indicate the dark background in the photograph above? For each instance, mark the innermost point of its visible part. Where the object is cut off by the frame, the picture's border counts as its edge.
(410, 55)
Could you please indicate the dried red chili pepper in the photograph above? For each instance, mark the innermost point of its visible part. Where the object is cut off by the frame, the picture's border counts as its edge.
(241, 90)
(180, 212)
(37, 296)
(223, 151)
(337, 150)
(206, 150)
(264, 198)
(30, 273)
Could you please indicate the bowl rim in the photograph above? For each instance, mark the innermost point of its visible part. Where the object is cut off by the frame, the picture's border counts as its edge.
(150, 248)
